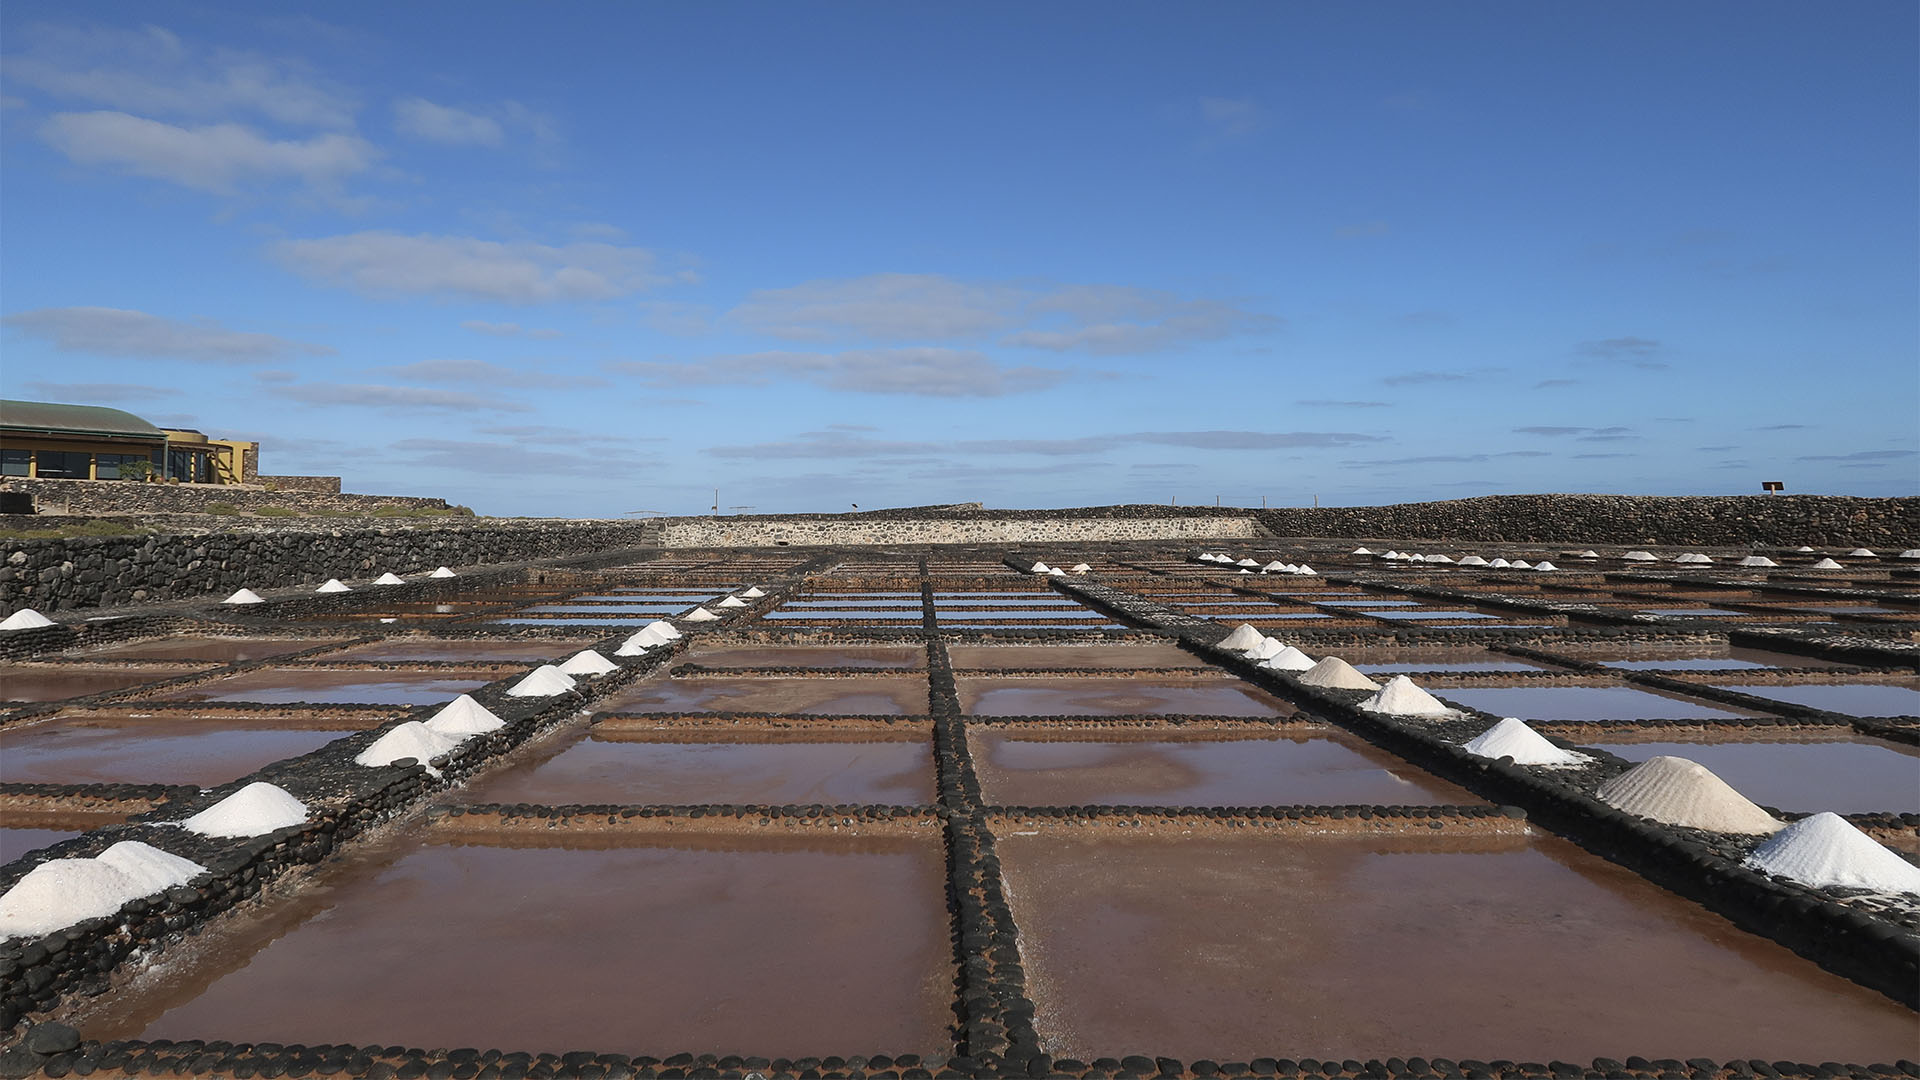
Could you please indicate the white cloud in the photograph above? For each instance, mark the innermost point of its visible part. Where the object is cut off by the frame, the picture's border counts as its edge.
(95, 393)
(218, 158)
(444, 124)
(397, 398)
(114, 332)
(926, 372)
(392, 264)
(485, 373)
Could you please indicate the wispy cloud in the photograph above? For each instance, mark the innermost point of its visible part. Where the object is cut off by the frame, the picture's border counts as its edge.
(1551, 384)
(116, 332)
(1583, 434)
(397, 398)
(219, 158)
(445, 124)
(1636, 352)
(925, 372)
(91, 393)
(841, 444)
(496, 459)
(1863, 455)
(485, 373)
(390, 264)
(507, 329)
(1424, 378)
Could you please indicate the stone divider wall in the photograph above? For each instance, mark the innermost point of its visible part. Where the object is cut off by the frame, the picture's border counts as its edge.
(84, 572)
(1704, 520)
(124, 497)
(862, 529)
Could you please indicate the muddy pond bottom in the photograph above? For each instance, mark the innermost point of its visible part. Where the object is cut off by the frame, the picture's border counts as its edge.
(456, 650)
(1171, 768)
(809, 656)
(1031, 657)
(275, 686)
(226, 650)
(1586, 703)
(877, 695)
(29, 683)
(1846, 774)
(155, 749)
(771, 946)
(1115, 697)
(1497, 947)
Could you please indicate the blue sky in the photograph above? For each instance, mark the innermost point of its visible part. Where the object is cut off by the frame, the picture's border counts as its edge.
(585, 259)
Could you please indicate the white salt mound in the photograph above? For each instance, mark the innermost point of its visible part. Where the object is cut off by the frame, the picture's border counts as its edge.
(666, 630)
(1520, 564)
(1246, 562)
(1862, 553)
(1277, 565)
(1472, 560)
(148, 867)
(25, 619)
(1500, 563)
(543, 681)
(334, 584)
(700, 614)
(62, 892)
(1439, 559)
(1337, 674)
(1081, 568)
(1692, 557)
(642, 641)
(412, 739)
(1306, 571)
(1243, 571)
(1681, 792)
(1804, 549)
(1416, 558)
(1640, 556)
(244, 596)
(1392, 554)
(443, 572)
(732, 602)
(589, 663)
(1544, 565)
(1244, 637)
(1826, 564)
(1513, 738)
(1911, 553)
(1037, 568)
(464, 716)
(754, 593)
(1826, 849)
(1057, 572)
(389, 578)
(1589, 554)
(1402, 697)
(257, 808)
(1288, 659)
(1267, 647)
(1360, 551)
(1757, 560)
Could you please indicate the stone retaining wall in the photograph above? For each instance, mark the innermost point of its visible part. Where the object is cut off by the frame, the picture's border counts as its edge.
(326, 485)
(124, 497)
(862, 529)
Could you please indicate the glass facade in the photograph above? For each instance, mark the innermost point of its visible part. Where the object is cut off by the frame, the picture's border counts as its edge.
(108, 466)
(15, 462)
(63, 464)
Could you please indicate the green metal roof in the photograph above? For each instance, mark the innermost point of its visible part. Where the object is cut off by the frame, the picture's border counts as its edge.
(49, 418)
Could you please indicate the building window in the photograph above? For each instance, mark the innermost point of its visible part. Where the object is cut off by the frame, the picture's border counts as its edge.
(109, 466)
(16, 462)
(62, 465)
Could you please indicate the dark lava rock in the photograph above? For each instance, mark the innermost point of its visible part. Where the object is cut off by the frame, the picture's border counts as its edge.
(51, 1039)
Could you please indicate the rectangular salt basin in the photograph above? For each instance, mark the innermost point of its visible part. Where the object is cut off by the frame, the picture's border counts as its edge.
(60, 683)
(865, 695)
(809, 656)
(455, 650)
(1394, 660)
(1857, 699)
(330, 685)
(1521, 948)
(225, 650)
(1089, 766)
(153, 749)
(1115, 697)
(1016, 657)
(762, 944)
(1705, 658)
(1843, 772)
(629, 769)
(1586, 703)
(22, 832)
(1428, 613)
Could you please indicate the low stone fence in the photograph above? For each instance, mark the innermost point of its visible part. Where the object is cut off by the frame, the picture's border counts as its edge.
(982, 529)
(126, 497)
(325, 485)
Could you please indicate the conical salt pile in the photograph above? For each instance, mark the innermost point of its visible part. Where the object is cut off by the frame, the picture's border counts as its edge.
(443, 572)
(464, 716)
(1513, 738)
(1472, 560)
(1639, 556)
(1520, 564)
(412, 739)
(389, 578)
(1416, 558)
(543, 681)
(1544, 565)
(589, 663)
(1392, 554)
(334, 584)
(1246, 562)
(1244, 637)
(666, 630)
(1038, 568)
(150, 869)
(1306, 571)
(1826, 564)
(1440, 559)
(255, 809)
(1360, 551)
(25, 619)
(1589, 554)
(641, 642)
(1757, 560)
(1243, 571)
(1402, 697)
(1277, 565)
(1267, 647)
(62, 892)
(1804, 549)
(1862, 553)
(731, 602)
(1057, 572)
(1826, 849)
(1288, 659)
(1337, 674)
(753, 593)
(700, 614)
(244, 596)
(1692, 557)
(1911, 553)
(1681, 792)
(1081, 568)
(1500, 563)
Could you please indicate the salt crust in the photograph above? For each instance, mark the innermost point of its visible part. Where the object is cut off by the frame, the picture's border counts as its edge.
(1337, 674)
(1826, 564)
(587, 662)
(731, 602)
(1402, 697)
(1244, 637)
(700, 614)
(1681, 792)
(61, 892)
(1513, 738)
(1826, 849)
(257, 808)
(1288, 659)
(333, 585)
(543, 681)
(412, 739)
(25, 619)
(389, 578)
(443, 572)
(464, 716)
(753, 593)
(244, 596)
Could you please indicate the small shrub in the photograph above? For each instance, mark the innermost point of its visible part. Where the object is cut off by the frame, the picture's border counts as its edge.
(277, 512)
(94, 527)
(222, 509)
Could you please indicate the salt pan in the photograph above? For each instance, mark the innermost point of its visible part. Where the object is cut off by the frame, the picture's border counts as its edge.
(1337, 674)
(1401, 697)
(412, 739)
(587, 662)
(1244, 637)
(25, 619)
(464, 716)
(1826, 564)
(62, 892)
(1826, 850)
(700, 614)
(1681, 792)
(244, 596)
(443, 572)
(543, 681)
(1513, 738)
(257, 808)
(389, 578)
(1288, 659)
(334, 584)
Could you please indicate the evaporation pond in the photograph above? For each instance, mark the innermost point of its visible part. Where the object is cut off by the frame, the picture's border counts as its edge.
(1848, 774)
(151, 749)
(276, 686)
(1391, 660)
(1586, 703)
(1858, 699)
(1096, 696)
(809, 656)
(1035, 657)
(24, 831)
(863, 695)
(1710, 658)
(1527, 947)
(225, 650)
(458, 650)
(761, 944)
(1106, 768)
(780, 770)
(29, 682)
